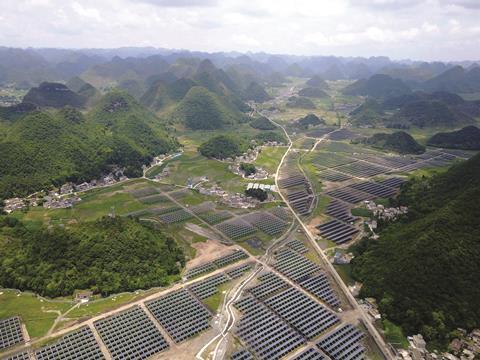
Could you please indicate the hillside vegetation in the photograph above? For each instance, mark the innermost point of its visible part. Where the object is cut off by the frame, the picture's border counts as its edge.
(400, 142)
(54, 95)
(423, 270)
(110, 255)
(43, 148)
(467, 138)
(377, 86)
(221, 147)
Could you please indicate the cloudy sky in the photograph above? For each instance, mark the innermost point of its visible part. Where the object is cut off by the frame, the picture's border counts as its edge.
(416, 29)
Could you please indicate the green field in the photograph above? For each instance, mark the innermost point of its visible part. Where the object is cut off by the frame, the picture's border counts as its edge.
(37, 314)
(361, 212)
(269, 158)
(394, 334)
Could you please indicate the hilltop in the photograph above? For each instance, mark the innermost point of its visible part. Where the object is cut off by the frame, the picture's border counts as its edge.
(378, 86)
(54, 95)
(423, 269)
(44, 148)
(369, 113)
(455, 80)
(313, 92)
(400, 142)
(108, 256)
(256, 92)
(467, 138)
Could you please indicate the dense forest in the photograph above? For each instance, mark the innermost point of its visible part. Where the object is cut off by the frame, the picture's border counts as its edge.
(108, 256)
(42, 148)
(221, 147)
(467, 138)
(424, 269)
(399, 141)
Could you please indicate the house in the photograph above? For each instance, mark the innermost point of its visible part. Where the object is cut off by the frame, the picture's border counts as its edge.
(83, 296)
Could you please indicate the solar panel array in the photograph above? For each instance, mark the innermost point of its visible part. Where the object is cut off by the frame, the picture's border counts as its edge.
(350, 195)
(268, 285)
(19, 356)
(309, 354)
(154, 199)
(337, 231)
(222, 261)
(266, 334)
(175, 216)
(293, 265)
(297, 246)
(239, 270)
(180, 314)
(362, 169)
(130, 334)
(340, 210)
(78, 345)
(319, 286)
(236, 228)
(394, 182)
(374, 188)
(281, 212)
(343, 343)
(242, 355)
(304, 314)
(215, 217)
(266, 222)
(10, 332)
(333, 175)
(208, 287)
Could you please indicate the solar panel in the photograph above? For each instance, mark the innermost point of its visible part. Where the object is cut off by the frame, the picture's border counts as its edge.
(10, 332)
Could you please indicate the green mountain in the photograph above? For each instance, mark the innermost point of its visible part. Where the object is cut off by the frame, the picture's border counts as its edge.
(423, 270)
(467, 138)
(221, 147)
(300, 102)
(313, 92)
(11, 113)
(203, 109)
(54, 95)
(256, 93)
(43, 148)
(369, 113)
(162, 94)
(317, 81)
(400, 142)
(455, 80)
(108, 256)
(262, 123)
(309, 120)
(377, 86)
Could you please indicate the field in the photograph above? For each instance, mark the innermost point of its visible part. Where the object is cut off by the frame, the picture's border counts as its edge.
(37, 314)
(394, 334)
(269, 158)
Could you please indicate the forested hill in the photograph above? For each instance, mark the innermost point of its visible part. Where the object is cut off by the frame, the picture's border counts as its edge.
(108, 256)
(44, 148)
(424, 269)
(400, 142)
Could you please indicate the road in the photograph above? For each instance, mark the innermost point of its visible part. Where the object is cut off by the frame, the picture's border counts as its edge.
(382, 345)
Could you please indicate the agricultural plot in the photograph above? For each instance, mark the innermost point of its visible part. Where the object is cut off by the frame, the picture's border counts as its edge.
(164, 210)
(10, 332)
(337, 231)
(319, 286)
(350, 195)
(293, 265)
(180, 314)
(208, 287)
(131, 335)
(143, 192)
(334, 176)
(318, 133)
(362, 169)
(266, 334)
(153, 199)
(78, 345)
(269, 284)
(340, 210)
(343, 343)
(376, 189)
(179, 194)
(215, 217)
(305, 315)
(175, 216)
(236, 228)
(266, 222)
(309, 354)
(203, 207)
(297, 245)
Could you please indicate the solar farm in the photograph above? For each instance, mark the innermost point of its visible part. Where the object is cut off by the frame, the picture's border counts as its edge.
(10, 332)
(222, 261)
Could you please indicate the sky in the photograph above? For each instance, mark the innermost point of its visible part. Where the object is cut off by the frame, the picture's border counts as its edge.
(414, 29)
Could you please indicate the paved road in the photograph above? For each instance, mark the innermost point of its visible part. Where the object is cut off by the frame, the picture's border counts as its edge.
(329, 267)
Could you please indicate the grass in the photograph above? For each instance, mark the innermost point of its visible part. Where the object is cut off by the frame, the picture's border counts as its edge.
(96, 307)
(362, 212)
(32, 310)
(345, 272)
(213, 302)
(394, 334)
(270, 157)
